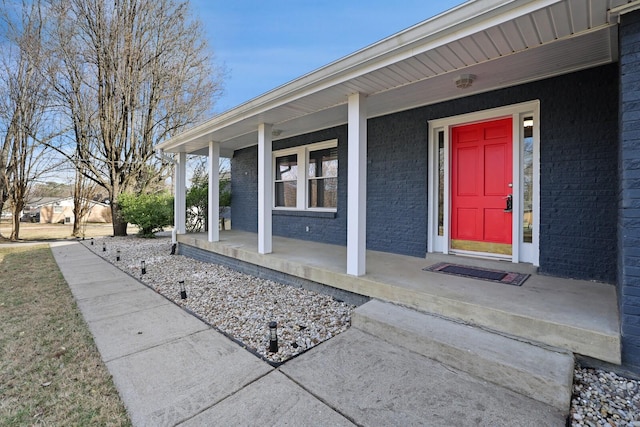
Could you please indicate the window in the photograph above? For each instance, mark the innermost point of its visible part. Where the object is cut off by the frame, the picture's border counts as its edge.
(527, 179)
(440, 183)
(323, 178)
(286, 180)
(57, 209)
(306, 177)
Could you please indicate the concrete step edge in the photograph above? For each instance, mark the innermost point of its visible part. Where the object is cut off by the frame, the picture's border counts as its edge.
(543, 374)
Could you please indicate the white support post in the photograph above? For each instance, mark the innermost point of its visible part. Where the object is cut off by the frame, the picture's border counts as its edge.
(265, 189)
(214, 192)
(180, 198)
(357, 185)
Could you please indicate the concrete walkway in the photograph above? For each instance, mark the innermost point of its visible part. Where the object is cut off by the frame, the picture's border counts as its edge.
(172, 369)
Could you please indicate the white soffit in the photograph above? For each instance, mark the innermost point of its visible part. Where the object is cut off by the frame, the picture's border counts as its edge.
(505, 43)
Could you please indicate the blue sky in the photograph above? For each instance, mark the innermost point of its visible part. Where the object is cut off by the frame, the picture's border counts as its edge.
(264, 44)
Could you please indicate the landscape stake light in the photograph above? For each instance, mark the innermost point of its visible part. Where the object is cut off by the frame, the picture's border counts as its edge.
(183, 290)
(143, 267)
(92, 241)
(104, 247)
(118, 255)
(273, 337)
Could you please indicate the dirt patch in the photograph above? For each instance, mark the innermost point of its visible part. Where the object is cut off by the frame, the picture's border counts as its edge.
(37, 231)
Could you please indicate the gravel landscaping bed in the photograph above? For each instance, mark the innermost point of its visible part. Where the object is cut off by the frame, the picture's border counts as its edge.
(242, 306)
(237, 304)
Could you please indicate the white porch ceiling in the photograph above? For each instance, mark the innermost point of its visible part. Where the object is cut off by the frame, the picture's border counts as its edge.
(504, 43)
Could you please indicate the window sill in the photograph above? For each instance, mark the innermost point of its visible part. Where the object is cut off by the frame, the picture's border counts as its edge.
(306, 214)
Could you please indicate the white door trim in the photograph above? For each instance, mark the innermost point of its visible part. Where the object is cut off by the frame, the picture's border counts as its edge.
(522, 252)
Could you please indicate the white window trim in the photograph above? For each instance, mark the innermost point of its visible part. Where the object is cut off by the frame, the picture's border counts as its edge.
(522, 252)
(302, 151)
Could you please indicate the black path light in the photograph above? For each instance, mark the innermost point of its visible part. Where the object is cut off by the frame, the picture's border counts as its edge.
(92, 241)
(183, 290)
(273, 337)
(104, 247)
(118, 255)
(143, 267)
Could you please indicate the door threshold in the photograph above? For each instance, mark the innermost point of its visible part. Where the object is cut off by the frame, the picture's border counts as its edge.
(481, 255)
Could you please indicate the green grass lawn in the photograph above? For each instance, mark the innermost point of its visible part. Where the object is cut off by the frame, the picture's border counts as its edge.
(50, 370)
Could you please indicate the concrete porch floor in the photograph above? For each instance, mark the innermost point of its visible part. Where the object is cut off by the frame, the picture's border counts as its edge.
(575, 315)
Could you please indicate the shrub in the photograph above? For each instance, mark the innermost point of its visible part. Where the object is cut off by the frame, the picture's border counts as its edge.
(150, 212)
(198, 200)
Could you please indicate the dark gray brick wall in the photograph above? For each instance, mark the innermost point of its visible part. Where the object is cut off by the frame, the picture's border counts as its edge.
(322, 228)
(578, 175)
(629, 195)
(325, 228)
(397, 184)
(396, 189)
(244, 190)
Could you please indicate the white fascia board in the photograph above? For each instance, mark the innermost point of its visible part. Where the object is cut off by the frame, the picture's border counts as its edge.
(454, 24)
(616, 12)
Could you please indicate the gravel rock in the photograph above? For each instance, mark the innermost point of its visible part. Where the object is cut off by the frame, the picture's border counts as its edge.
(603, 398)
(242, 306)
(237, 304)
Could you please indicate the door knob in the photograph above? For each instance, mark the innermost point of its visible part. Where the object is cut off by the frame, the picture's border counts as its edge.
(509, 207)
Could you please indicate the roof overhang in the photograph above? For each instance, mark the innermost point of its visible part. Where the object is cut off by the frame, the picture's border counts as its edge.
(503, 43)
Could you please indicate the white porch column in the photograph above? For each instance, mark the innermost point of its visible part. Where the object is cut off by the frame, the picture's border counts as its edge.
(214, 191)
(180, 197)
(265, 188)
(357, 185)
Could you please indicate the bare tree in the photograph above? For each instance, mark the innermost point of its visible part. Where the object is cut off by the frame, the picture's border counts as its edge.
(130, 74)
(84, 191)
(50, 189)
(25, 106)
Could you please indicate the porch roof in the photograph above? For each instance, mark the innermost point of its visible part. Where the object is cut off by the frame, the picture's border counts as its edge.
(502, 43)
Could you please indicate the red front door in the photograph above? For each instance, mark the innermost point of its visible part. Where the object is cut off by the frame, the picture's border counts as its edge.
(481, 178)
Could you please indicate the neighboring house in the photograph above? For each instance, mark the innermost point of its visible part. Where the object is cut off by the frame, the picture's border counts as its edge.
(506, 129)
(60, 210)
(31, 210)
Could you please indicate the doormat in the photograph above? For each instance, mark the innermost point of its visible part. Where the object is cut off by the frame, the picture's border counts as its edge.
(497, 276)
